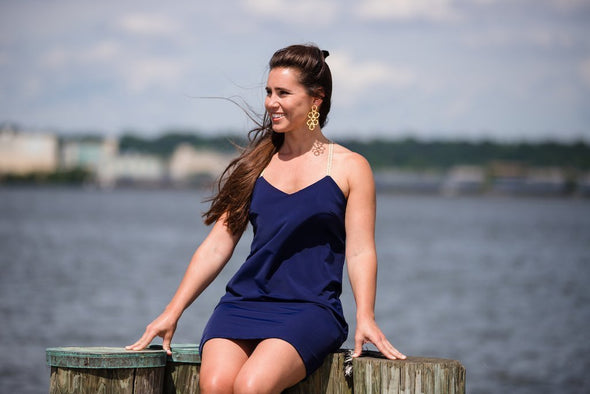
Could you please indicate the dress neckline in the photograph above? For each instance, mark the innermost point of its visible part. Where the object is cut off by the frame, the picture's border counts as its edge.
(328, 174)
(311, 185)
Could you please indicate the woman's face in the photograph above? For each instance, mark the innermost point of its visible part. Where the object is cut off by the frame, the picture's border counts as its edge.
(287, 101)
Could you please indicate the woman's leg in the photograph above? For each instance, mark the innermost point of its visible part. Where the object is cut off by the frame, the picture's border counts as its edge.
(221, 361)
(273, 366)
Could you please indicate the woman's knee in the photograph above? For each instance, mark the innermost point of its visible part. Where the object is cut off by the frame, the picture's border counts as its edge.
(253, 385)
(221, 361)
(216, 383)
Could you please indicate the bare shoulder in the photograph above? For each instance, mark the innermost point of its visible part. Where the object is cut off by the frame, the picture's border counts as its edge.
(349, 161)
(350, 169)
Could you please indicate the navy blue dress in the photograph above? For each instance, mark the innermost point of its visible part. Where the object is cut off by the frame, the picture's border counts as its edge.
(290, 284)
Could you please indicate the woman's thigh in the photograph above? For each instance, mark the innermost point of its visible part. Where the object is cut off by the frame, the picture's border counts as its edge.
(273, 366)
(221, 361)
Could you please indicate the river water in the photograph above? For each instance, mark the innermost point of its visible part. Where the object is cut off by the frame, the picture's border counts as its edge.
(500, 284)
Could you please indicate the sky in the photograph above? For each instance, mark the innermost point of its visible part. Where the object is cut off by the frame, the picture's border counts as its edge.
(427, 69)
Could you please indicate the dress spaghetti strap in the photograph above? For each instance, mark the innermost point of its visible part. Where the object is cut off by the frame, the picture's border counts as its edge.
(330, 156)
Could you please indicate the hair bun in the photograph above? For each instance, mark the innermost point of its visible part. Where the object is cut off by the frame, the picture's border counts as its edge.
(325, 53)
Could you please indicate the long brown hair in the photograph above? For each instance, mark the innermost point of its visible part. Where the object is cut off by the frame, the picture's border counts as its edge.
(234, 188)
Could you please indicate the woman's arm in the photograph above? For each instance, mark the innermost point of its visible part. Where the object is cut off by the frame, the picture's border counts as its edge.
(361, 256)
(206, 263)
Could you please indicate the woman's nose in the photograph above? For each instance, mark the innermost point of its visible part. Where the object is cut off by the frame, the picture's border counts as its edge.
(271, 101)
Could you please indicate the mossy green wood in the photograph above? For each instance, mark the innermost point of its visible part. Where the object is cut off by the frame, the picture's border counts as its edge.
(104, 358)
(183, 369)
(105, 370)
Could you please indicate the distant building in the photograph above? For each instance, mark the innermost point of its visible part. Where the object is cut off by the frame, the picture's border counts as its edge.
(464, 179)
(24, 153)
(583, 184)
(188, 165)
(87, 153)
(516, 178)
(131, 169)
(507, 177)
(400, 181)
(545, 180)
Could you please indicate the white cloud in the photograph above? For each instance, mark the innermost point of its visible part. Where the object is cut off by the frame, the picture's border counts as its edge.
(101, 52)
(438, 10)
(585, 71)
(352, 79)
(148, 25)
(142, 74)
(32, 87)
(312, 12)
(132, 69)
(55, 57)
(570, 4)
(530, 36)
(104, 51)
(4, 58)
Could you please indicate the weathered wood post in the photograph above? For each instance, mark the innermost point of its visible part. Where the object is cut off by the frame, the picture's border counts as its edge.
(182, 370)
(116, 370)
(372, 373)
(93, 370)
(328, 379)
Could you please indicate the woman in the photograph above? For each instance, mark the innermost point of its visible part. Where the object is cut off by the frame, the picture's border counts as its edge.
(304, 195)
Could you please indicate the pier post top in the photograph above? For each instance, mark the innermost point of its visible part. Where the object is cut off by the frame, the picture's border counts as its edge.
(104, 358)
(118, 357)
(378, 357)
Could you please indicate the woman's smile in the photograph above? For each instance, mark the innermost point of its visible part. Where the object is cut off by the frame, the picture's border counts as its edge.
(276, 117)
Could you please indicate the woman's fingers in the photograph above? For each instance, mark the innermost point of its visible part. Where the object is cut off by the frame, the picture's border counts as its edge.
(143, 342)
(166, 343)
(358, 347)
(387, 349)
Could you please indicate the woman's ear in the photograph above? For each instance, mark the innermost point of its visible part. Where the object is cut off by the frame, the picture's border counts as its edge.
(318, 97)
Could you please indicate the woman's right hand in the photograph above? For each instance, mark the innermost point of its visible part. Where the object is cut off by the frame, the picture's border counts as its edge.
(163, 326)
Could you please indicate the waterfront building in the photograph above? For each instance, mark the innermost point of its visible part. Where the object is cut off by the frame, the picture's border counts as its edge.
(87, 152)
(407, 181)
(464, 179)
(23, 153)
(190, 166)
(131, 169)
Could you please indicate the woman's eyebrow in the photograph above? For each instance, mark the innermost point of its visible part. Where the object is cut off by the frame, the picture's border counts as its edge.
(278, 88)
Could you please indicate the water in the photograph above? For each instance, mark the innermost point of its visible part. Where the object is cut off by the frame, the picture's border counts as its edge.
(499, 284)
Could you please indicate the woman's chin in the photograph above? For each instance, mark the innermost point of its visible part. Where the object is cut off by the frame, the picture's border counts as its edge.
(279, 129)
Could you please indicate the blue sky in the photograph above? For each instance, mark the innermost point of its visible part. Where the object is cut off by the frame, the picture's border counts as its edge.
(498, 69)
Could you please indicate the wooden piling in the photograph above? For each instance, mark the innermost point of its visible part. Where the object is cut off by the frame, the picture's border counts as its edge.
(329, 378)
(372, 373)
(89, 370)
(116, 370)
(182, 370)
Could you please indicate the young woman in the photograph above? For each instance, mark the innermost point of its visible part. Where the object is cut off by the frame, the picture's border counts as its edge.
(311, 204)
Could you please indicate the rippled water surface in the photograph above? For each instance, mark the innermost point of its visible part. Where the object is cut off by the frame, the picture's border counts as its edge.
(498, 284)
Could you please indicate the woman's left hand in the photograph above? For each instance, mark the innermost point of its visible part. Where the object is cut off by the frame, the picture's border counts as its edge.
(367, 331)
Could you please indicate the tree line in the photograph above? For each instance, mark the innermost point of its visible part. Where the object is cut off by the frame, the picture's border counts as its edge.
(408, 153)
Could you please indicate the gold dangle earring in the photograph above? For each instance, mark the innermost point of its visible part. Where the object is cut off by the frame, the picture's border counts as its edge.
(312, 118)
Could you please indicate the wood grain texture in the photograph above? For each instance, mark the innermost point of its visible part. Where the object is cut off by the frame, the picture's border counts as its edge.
(371, 373)
(415, 375)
